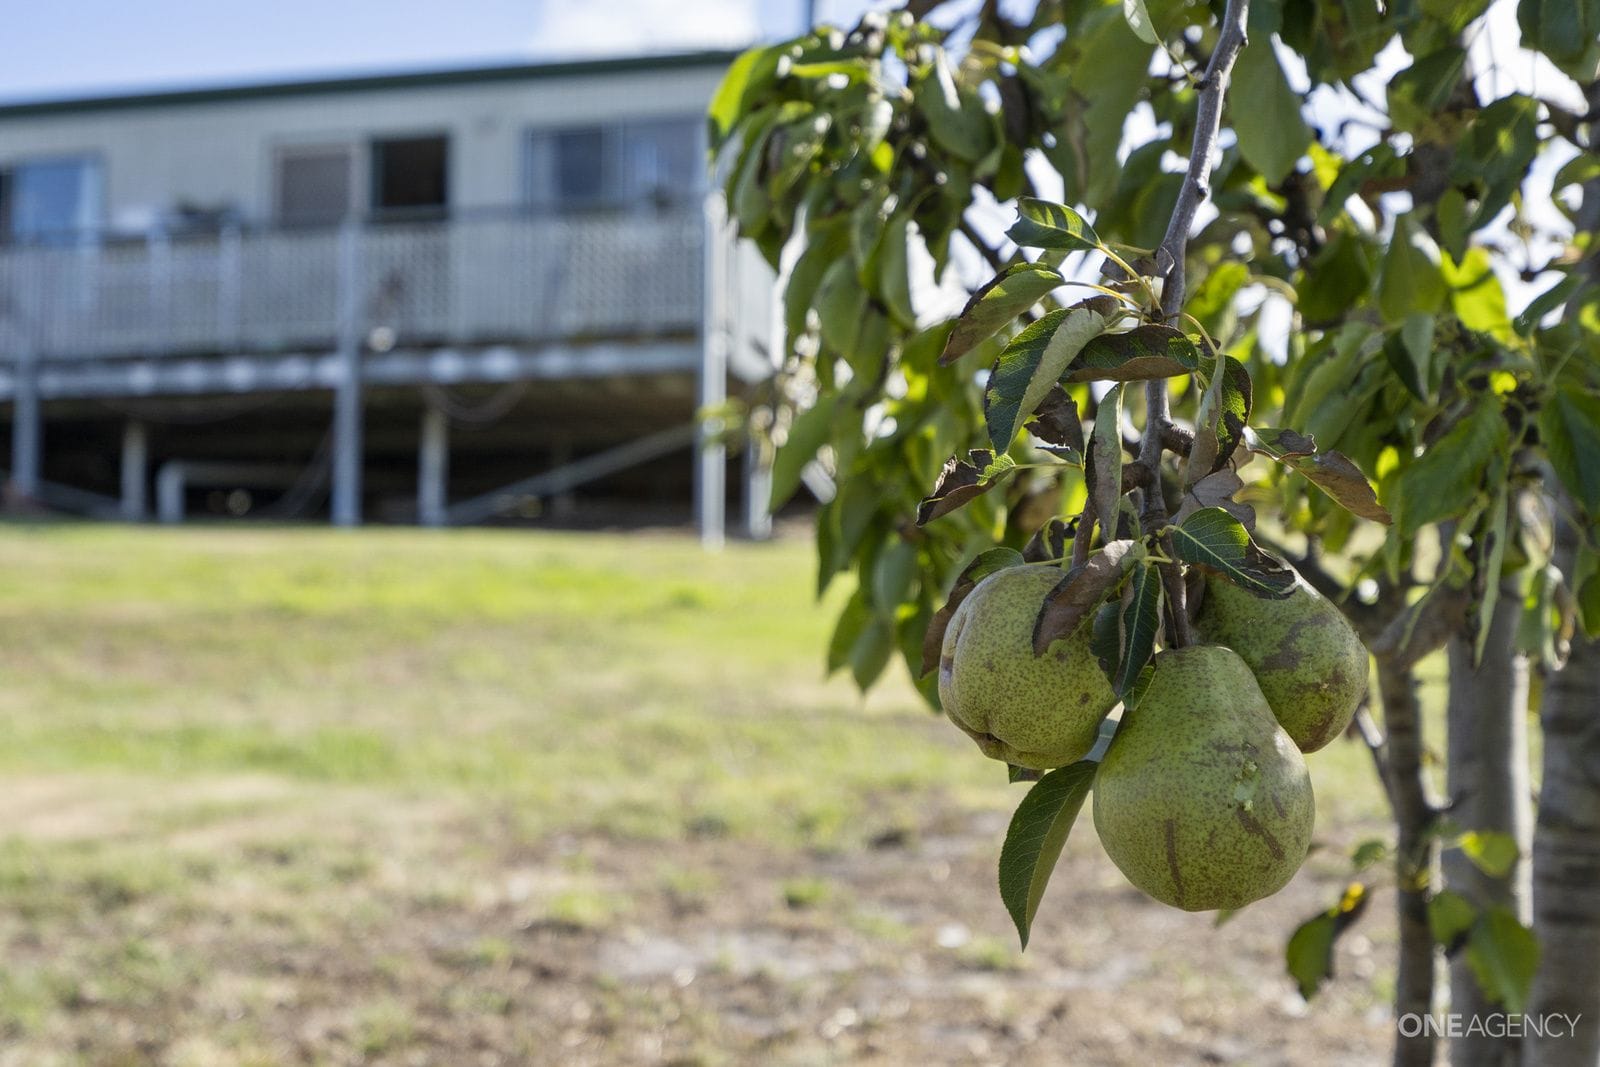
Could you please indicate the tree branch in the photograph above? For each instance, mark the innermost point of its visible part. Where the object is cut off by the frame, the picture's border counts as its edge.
(1170, 260)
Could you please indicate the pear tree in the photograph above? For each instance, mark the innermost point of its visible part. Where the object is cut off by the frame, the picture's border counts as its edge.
(1068, 447)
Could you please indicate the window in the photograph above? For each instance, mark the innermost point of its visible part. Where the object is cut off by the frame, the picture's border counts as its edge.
(314, 186)
(50, 199)
(646, 162)
(410, 175)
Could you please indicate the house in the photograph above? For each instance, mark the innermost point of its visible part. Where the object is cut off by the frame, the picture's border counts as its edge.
(438, 296)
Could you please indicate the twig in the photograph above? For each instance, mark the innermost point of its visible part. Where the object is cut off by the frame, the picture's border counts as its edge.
(1174, 247)
(984, 250)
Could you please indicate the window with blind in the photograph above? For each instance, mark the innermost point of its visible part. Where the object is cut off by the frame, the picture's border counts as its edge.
(315, 185)
(639, 163)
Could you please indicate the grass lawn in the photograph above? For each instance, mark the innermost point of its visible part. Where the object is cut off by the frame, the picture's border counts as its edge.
(403, 797)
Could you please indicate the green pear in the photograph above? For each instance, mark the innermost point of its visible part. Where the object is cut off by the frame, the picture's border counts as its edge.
(1032, 711)
(1202, 800)
(1305, 655)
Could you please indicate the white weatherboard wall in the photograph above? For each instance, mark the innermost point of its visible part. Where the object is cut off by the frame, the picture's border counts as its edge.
(214, 153)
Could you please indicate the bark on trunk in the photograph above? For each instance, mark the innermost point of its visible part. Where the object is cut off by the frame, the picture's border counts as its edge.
(1566, 858)
(1489, 791)
(1415, 861)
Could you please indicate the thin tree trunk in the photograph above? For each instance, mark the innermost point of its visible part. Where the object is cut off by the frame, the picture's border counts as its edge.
(1566, 857)
(1415, 860)
(1489, 791)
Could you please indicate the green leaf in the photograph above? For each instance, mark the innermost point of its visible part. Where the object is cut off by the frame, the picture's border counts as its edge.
(1055, 227)
(747, 76)
(1309, 953)
(826, 244)
(1418, 94)
(1331, 472)
(1444, 481)
(1369, 853)
(1503, 955)
(1569, 426)
(1145, 352)
(1409, 279)
(848, 629)
(871, 651)
(1213, 538)
(894, 270)
(1104, 470)
(807, 433)
(961, 483)
(987, 563)
(1035, 838)
(1450, 916)
(1476, 295)
(1224, 409)
(1265, 113)
(1029, 367)
(1335, 279)
(1139, 21)
(1141, 622)
(1491, 851)
(1409, 351)
(1546, 302)
(1002, 299)
(1212, 301)
(957, 120)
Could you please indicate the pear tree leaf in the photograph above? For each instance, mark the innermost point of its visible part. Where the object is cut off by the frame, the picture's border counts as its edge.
(1569, 426)
(1000, 300)
(1082, 590)
(986, 563)
(1213, 538)
(1029, 366)
(1309, 953)
(1332, 472)
(894, 272)
(1139, 21)
(747, 76)
(1104, 472)
(1450, 917)
(1503, 955)
(1034, 840)
(961, 483)
(1054, 227)
(957, 120)
(1555, 296)
(1369, 853)
(1225, 409)
(1444, 481)
(1154, 350)
(852, 622)
(1216, 491)
(1410, 278)
(1057, 421)
(1491, 851)
(807, 433)
(1049, 542)
(1140, 623)
(1265, 112)
(1015, 774)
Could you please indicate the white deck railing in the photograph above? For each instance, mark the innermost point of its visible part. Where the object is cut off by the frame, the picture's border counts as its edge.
(501, 278)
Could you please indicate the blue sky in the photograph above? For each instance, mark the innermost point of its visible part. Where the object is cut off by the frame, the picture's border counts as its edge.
(77, 47)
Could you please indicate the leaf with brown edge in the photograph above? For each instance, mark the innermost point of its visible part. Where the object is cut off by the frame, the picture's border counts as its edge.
(1104, 470)
(1216, 491)
(1331, 472)
(959, 484)
(996, 559)
(1049, 542)
(1000, 300)
(1056, 420)
(1145, 352)
(1082, 590)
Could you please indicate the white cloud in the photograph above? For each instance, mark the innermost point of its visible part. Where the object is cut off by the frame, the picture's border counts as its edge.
(629, 27)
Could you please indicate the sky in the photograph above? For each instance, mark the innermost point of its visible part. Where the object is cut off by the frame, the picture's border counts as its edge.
(85, 47)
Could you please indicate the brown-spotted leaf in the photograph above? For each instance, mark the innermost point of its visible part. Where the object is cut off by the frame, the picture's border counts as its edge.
(1049, 542)
(1000, 300)
(1150, 351)
(1082, 590)
(1057, 422)
(1216, 491)
(1332, 472)
(959, 484)
(996, 559)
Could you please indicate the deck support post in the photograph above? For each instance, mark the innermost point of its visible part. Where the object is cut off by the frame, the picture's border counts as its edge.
(711, 457)
(27, 428)
(347, 398)
(135, 467)
(433, 467)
